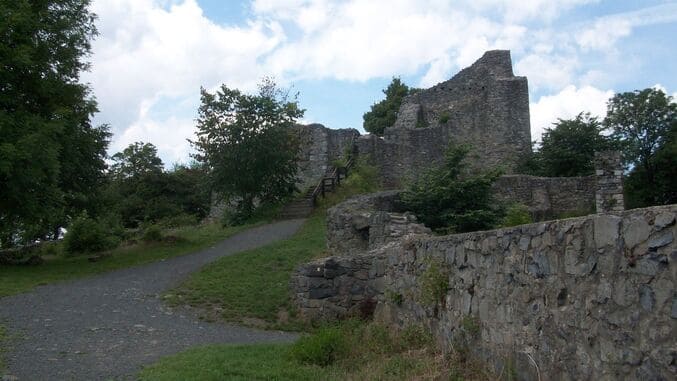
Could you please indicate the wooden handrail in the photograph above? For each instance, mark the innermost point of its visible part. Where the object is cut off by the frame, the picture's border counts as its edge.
(334, 176)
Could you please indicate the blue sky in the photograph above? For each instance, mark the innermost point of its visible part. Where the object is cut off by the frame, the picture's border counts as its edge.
(152, 56)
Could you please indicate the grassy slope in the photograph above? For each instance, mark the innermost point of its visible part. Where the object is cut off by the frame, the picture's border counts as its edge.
(252, 284)
(16, 279)
(350, 351)
(253, 287)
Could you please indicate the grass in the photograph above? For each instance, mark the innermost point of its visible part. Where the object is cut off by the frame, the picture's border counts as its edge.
(17, 279)
(351, 350)
(226, 362)
(252, 287)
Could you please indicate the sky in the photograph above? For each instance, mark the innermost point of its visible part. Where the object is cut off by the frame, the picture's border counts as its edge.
(151, 57)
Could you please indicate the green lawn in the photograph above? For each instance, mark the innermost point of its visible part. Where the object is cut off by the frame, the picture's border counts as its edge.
(252, 287)
(351, 350)
(17, 279)
(226, 362)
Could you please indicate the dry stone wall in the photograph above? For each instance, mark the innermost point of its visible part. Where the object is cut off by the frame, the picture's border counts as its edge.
(589, 298)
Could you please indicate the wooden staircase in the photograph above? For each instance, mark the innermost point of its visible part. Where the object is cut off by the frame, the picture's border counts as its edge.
(304, 205)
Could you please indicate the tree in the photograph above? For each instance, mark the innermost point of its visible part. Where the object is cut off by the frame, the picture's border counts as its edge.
(51, 158)
(454, 198)
(136, 160)
(645, 122)
(384, 113)
(642, 121)
(247, 144)
(569, 148)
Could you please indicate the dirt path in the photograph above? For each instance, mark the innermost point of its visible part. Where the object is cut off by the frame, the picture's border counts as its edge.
(108, 326)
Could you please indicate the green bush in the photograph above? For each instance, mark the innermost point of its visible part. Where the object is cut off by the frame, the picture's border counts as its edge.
(517, 214)
(444, 117)
(152, 233)
(87, 235)
(321, 348)
(434, 283)
(452, 198)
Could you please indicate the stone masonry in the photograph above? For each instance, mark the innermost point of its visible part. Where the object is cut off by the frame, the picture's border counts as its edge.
(588, 298)
(320, 146)
(484, 105)
(609, 173)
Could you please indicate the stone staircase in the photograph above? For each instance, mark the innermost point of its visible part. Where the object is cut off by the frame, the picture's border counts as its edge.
(299, 208)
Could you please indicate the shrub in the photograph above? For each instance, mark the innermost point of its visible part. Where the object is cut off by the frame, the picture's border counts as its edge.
(434, 283)
(451, 198)
(152, 233)
(517, 214)
(444, 118)
(321, 348)
(87, 235)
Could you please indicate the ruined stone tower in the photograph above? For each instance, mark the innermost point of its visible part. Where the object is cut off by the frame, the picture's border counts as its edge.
(484, 105)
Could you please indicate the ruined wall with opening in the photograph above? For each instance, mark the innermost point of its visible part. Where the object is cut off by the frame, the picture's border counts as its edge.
(484, 105)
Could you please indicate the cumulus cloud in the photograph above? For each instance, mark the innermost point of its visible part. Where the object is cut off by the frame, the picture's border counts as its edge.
(605, 32)
(146, 51)
(565, 105)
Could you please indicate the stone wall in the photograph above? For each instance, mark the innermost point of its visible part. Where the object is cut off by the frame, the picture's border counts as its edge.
(609, 172)
(484, 105)
(585, 298)
(320, 146)
(548, 197)
(367, 222)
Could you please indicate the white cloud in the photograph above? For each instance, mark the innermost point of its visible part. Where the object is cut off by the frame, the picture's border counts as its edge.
(565, 105)
(605, 32)
(146, 51)
(547, 71)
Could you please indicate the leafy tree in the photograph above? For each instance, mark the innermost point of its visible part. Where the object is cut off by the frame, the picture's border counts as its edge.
(569, 148)
(384, 113)
(642, 121)
(51, 158)
(137, 160)
(141, 191)
(246, 142)
(645, 122)
(453, 198)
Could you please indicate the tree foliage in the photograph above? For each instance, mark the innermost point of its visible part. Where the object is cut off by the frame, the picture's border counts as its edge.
(384, 113)
(645, 124)
(51, 157)
(454, 198)
(569, 148)
(141, 191)
(247, 144)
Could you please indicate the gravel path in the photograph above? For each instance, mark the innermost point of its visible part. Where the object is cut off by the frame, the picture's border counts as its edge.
(108, 326)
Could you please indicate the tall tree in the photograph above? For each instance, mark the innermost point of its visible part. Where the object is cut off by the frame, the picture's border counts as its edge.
(51, 158)
(246, 142)
(641, 120)
(384, 113)
(645, 122)
(568, 149)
